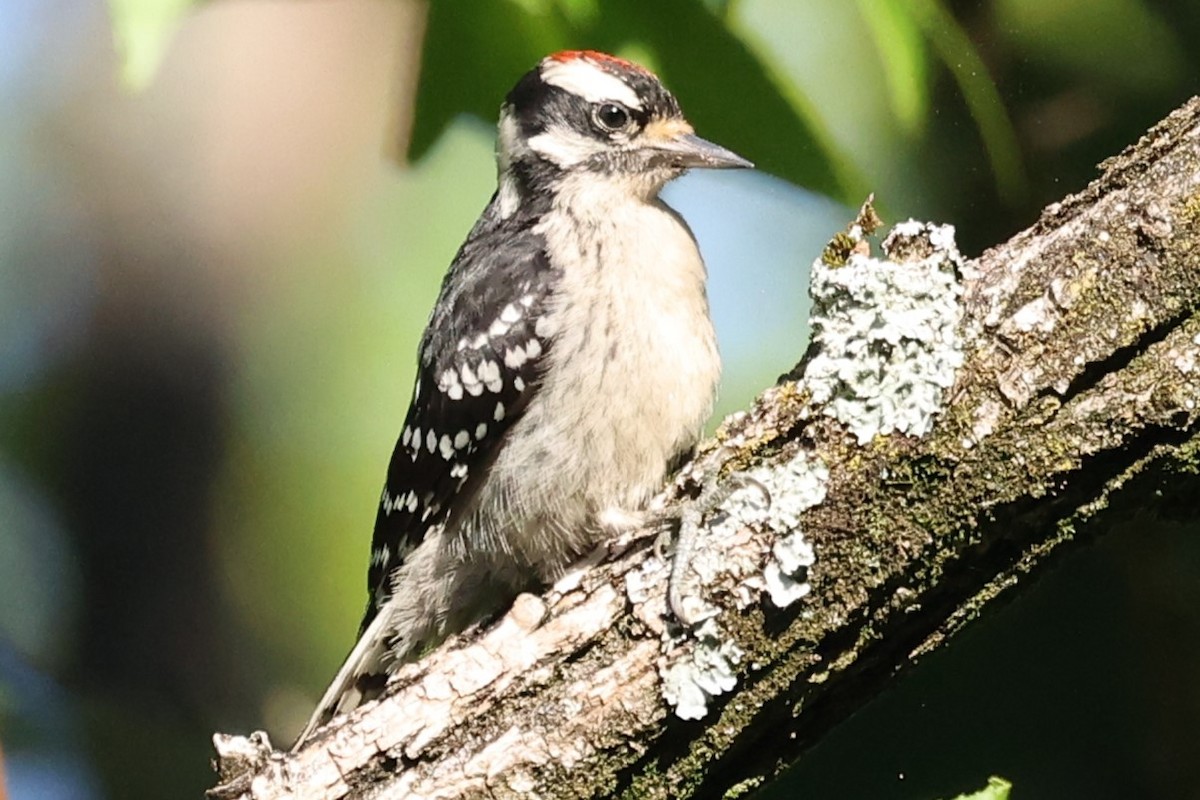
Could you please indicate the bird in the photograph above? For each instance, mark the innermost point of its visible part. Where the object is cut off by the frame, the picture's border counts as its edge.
(568, 366)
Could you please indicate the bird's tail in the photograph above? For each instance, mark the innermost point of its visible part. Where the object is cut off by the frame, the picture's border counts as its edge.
(361, 678)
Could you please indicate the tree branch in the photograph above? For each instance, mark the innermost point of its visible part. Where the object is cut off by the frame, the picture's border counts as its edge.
(1075, 403)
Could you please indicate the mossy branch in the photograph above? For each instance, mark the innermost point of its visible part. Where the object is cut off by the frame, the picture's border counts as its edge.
(1075, 404)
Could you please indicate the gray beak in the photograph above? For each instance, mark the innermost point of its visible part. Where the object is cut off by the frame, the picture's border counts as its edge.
(689, 150)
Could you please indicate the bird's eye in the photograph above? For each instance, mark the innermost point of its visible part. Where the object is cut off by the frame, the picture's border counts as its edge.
(612, 116)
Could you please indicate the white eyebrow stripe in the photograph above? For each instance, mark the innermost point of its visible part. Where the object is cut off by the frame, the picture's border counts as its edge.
(583, 78)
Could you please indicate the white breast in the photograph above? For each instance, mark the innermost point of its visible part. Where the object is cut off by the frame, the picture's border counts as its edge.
(629, 380)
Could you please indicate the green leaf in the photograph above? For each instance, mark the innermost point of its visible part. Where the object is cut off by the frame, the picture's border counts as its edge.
(1050, 33)
(142, 29)
(996, 789)
(467, 67)
(956, 51)
(901, 48)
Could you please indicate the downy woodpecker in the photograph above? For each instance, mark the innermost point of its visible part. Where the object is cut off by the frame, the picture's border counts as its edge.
(568, 365)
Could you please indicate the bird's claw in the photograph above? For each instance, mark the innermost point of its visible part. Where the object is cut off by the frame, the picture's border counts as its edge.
(687, 605)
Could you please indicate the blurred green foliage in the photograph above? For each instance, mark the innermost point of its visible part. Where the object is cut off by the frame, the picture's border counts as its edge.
(466, 66)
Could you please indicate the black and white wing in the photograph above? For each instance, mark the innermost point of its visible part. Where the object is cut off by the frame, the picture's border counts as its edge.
(478, 369)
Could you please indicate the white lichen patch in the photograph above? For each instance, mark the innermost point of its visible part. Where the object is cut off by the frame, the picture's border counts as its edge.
(700, 663)
(793, 488)
(772, 498)
(707, 670)
(785, 574)
(886, 332)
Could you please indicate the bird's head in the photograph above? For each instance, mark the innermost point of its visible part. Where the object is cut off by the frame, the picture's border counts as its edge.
(583, 115)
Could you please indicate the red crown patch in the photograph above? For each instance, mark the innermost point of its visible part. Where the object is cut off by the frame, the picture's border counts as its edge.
(564, 56)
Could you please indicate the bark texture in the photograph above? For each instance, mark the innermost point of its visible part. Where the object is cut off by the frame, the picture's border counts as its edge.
(1076, 405)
